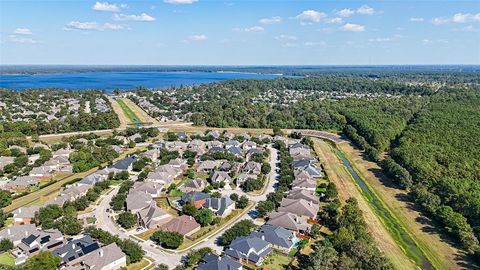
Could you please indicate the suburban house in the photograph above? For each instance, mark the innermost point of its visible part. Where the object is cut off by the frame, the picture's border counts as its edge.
(249, 145)
(197, 146)
(182, 135)
(222, 207)
(25, 215)
(213, 144)
(137, 201)
(4, 161)
(151, 188)
(219, 176)
(38, 241)
(208, 165)
(289, 221)
(244, 177)
(305, 184)
(162, 178)
(109, 257)
(307, 195)
(41, 173)
(16, 232)
(184, 225)
(152, 216)
(179, 164)
(214, 133)
(279, 237)
(21, 183)
(124, 164)
(196, 198)
(236, 151)
(195, 185)
(299, 207)
(215, 262)
(62, 152)
(249, 249)
(73, 251)
(232, 143)
(252, 167)
(89, 180)
(151, 154)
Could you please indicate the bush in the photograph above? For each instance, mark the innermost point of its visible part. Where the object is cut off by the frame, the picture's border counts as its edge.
(171, 240)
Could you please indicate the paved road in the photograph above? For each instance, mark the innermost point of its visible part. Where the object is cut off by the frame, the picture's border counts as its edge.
(172, 259)
(104, 222)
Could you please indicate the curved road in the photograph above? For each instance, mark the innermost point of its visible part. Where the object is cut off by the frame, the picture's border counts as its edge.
(172, 259)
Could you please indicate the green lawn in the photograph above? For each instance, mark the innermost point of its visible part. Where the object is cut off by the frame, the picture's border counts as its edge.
(7, 259)
(128, 112)
(277, 261)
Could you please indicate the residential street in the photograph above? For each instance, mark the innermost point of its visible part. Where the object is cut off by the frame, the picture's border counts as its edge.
(173, 258)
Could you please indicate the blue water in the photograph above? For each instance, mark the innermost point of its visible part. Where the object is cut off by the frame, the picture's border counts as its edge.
(119, 80)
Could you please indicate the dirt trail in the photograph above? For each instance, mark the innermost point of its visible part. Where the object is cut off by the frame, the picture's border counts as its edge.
(445, 256)
(346, 189)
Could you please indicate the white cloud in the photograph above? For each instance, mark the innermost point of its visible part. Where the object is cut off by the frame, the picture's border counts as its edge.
(310, 16)
(417, 19)
(272, 20)
(465, 17)
(105, 6)
(22, 31)
(92, 26)
(21, 40)
(285, 37)
(366, 10)
(346, 12)
(336, 20)
(180, 2)
(200, 37)
(314, 44)
(440, 20)
(385, 39)
(352, 27)
(144, 17)
(253, 29)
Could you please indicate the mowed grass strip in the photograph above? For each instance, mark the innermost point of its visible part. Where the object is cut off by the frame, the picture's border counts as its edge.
(440, 253)
(347, 188)
(132, 117)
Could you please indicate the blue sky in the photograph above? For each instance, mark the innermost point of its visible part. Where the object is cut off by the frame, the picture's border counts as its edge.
(246, 32)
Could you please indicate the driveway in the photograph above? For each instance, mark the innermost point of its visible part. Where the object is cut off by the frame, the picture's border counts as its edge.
(173, 259)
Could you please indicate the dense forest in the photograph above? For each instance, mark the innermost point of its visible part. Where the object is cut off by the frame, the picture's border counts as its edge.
(441, 151)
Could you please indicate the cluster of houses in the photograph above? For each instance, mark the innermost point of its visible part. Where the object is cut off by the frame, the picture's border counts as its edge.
(58, 163)
(75, 253)
(101, 105)
(284, 227)
(57, 109)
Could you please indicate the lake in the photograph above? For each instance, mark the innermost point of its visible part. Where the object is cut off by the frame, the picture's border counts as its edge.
(120, 80)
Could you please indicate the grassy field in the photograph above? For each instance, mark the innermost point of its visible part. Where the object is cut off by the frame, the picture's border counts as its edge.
(7, 259)
(131, 116)
(440, 253)
(346, 189)
(142, 115)
(121, 115)
(139, 265)
(277, 261)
